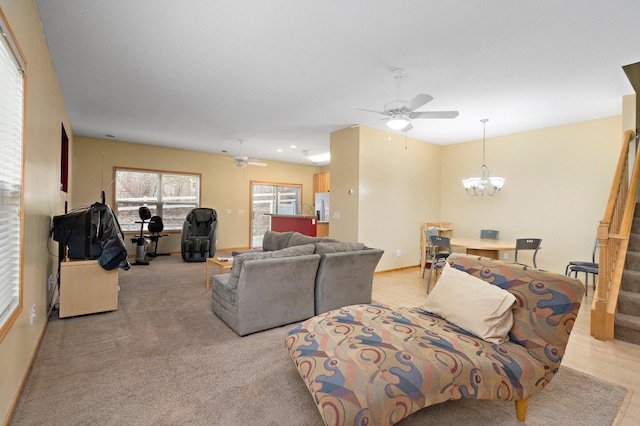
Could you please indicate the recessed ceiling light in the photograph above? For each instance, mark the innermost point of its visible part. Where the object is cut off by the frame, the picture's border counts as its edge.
(278, 150)
(293, 146)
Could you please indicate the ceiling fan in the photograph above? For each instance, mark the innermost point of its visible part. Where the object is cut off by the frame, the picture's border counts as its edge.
(400, 113)
(243, 161)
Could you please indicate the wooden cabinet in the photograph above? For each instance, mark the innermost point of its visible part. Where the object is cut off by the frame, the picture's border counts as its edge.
(321, 182)
(322, 230)
(87, 288)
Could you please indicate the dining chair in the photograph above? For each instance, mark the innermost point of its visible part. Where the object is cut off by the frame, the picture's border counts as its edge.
(589, 268)
(489, 233)
(528, 244)
(441, 248)
(428, 233)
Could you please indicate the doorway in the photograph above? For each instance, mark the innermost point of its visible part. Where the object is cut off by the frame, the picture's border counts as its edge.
(271, 198)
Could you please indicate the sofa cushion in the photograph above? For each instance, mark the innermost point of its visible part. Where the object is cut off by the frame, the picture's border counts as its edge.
(276, 240)
(294, 251)
(298, 239)
(237, 264)
(472, 304)
(324, 248)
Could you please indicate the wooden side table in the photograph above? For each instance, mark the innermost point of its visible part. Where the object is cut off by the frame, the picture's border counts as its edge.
(222, 264)
(86, 288)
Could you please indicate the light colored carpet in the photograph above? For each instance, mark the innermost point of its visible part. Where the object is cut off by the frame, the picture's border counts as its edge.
(163, 358)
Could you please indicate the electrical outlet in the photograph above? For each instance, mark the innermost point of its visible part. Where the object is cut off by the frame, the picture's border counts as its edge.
(33, 313)
(506, 256)
(398, 253)
(50, 282)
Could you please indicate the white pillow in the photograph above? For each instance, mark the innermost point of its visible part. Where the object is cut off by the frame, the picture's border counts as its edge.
(470, 303)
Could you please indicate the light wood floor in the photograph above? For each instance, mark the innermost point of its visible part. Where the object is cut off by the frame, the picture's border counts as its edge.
(614, 361)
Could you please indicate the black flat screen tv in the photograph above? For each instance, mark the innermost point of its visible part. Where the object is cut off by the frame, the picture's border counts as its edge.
(77, 231)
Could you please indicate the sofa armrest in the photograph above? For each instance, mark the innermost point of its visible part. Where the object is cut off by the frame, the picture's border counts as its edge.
(276, 291)
(345, 278)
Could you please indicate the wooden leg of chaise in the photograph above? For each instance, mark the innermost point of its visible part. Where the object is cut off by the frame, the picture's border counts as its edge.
(521, 409)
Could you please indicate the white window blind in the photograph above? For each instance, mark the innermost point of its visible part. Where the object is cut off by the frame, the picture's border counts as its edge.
(11, 123)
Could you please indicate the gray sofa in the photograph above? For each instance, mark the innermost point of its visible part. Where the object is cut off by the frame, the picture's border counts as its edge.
(265, 291)
(345, 275)
(293, 278)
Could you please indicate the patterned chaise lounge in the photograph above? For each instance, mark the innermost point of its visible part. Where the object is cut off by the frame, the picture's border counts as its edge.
(373, 364)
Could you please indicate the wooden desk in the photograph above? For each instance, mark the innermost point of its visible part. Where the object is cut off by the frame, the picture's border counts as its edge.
(221, 264)
(483, 246)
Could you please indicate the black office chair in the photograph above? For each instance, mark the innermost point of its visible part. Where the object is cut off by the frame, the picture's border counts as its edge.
(428, 248)
(528, 244)
(575, 266)
(441, 248)
(489, 233)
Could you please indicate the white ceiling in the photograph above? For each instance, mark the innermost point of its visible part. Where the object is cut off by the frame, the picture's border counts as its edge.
(202, 74)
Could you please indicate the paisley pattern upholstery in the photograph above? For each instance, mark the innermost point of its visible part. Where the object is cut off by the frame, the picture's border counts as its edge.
(374, 364)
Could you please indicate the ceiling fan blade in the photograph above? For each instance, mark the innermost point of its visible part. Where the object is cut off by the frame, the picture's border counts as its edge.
(255, 163)
(434, 114)
(418, 100)
(370, 110)
(369, 122)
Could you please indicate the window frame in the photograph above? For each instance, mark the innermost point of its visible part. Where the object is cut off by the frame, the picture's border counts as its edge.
(159, 203)
(15, 308)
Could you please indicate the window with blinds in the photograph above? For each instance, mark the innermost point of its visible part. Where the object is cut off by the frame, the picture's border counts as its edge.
(11, 124)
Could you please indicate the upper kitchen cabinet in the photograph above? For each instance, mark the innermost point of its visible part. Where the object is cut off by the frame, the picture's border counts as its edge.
(321, 182)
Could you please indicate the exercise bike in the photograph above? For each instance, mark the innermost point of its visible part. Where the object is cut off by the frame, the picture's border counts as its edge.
(141, 241)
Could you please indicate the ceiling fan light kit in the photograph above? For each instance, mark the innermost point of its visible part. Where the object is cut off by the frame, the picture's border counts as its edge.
(478, 186)
(398, 122)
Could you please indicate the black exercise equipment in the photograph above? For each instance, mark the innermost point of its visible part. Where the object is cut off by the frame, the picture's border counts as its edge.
(140, 240)
(155, 227)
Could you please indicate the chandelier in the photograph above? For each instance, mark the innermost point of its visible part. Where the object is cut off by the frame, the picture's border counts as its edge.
(478, 186)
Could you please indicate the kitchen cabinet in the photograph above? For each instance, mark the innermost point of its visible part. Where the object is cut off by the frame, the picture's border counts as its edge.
(321, 182)
(322, 229)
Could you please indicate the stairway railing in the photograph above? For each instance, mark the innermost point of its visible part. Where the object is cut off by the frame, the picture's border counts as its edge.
(613, 239)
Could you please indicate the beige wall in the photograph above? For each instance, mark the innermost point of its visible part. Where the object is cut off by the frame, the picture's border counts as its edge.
(45, 111)
(557, 183)
(224, 187)
(344, 169)
(396, 187)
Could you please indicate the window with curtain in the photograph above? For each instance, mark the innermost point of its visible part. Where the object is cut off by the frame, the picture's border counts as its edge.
(11, 131)
(168, 195)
